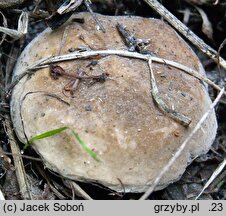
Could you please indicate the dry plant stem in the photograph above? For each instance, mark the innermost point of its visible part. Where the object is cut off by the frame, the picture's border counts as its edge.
(45, 62)
(216, 185)
(3, 154)
(63, 40)
(18, 162)
(14, 83)
(37, 92)
(182, 147)
(53, 189)
(21, 30)
(179, 117)
(78, 190)
(5, 25)
(221, 47)
(186, 32)
(87, 54)
(23, 156)
(214, 175)
(14, 52)
(87, 4)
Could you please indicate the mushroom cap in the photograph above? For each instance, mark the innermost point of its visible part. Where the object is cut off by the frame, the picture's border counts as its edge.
(118, 118)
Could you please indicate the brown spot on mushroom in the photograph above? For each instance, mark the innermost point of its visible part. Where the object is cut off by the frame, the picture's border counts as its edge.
(177, 133)
(130, 135)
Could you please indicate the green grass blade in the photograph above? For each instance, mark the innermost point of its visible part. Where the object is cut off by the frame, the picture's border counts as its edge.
(45, 135)
(88, 150)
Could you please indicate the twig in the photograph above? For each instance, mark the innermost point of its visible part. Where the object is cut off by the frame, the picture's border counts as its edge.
(182, 147)
(181, 118)
(185, 31)
(213, 176)
(48, 180)
(56, 71)
(220, 48)
(74, 4)
(87, 4)
(133, 43)
(87, 54)
(24, 156)
(14, 52)
(18, 162)
(78, 190)
(216, 185)
(63, 40)
(5, 25)
(128, 38)
(46, 62)
(15, 82)
(207, 28)
(37, 92)
(21, 30)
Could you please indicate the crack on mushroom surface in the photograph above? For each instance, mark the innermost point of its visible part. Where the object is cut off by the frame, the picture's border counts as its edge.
(130, 135)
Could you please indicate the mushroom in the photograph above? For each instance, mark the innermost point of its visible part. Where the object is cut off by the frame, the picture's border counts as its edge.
(118, 118)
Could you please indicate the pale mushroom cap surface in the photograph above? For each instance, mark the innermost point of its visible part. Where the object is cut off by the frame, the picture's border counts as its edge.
(118, 118)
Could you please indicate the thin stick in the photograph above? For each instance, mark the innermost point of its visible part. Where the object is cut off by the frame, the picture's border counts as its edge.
(186, 32)
(181, 118)
(18, 162)
(23, 156)
(87, 4)
(86, 54)
(21, 30)
(49, 183)
(5, 25)
(45, 62)
(182, 147)
(15, 82)
(213, 176)
(63, 40)
(78, 190)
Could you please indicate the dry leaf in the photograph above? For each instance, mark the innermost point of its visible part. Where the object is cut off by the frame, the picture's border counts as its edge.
(21, 30)
(71, 6)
